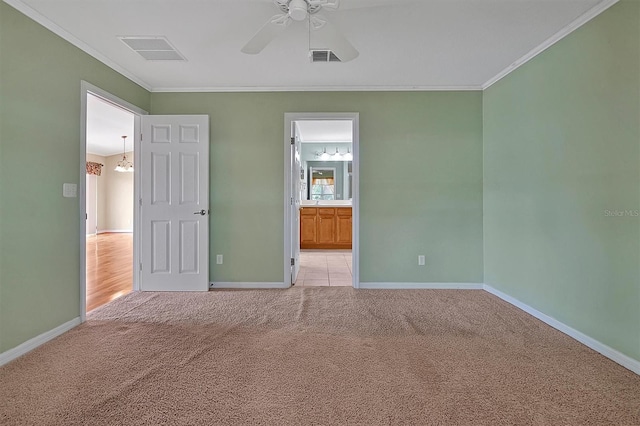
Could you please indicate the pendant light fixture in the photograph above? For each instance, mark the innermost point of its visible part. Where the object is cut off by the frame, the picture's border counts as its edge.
(124, 165)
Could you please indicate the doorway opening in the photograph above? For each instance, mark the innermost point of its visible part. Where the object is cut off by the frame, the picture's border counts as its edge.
(321, 199)
(108, 188)
(109, 201)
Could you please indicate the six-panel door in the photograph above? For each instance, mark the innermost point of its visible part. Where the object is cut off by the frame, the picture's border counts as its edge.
(175, 203)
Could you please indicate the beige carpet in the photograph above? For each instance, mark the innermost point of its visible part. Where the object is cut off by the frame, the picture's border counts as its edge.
(316, 356)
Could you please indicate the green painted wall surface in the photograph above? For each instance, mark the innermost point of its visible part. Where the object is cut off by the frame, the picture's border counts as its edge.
(429, 201)
(561, 161)
(40, 78)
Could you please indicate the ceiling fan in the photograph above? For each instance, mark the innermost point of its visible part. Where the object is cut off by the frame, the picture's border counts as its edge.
(301, 10)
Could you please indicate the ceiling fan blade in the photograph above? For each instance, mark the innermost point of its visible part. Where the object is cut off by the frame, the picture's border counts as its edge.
(329, 37)
(274, 26)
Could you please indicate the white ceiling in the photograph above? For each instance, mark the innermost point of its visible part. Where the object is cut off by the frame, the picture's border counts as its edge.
(403, 44)
(310, 131)
(106, 124)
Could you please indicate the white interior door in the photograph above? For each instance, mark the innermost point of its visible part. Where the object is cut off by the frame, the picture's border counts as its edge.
(92, 204)
(174, 211)
(295, 204)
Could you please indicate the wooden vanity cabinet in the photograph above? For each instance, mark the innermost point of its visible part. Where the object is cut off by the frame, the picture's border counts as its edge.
(308, 229)
(343, 226)
(325, 227)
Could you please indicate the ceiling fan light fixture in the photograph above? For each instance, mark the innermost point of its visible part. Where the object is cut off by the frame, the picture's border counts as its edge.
(298, 10)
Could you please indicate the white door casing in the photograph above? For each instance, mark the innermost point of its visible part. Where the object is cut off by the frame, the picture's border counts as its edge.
(174, 215)
(92, 204)
(295, 204)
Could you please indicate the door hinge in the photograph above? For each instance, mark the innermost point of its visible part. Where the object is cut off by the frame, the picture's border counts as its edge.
(141, 266)
(293, 141)
(291, 200)
(293, 261)
(140, 201)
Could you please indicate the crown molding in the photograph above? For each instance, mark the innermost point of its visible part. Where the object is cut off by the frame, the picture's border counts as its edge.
(316, 89)
(577, 23)
(59, 31)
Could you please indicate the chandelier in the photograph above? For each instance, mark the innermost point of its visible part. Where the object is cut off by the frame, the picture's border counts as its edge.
(124, 165)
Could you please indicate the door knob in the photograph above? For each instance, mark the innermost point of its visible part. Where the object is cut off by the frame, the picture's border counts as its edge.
(201, 212)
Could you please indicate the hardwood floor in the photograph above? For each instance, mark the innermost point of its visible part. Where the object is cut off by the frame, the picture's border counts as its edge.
(109, 267)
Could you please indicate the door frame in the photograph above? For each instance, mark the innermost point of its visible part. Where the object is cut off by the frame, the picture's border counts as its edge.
(85, 89)
(289, 118)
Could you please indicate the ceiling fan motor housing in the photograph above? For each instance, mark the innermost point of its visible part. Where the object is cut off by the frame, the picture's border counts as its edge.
(298, 10)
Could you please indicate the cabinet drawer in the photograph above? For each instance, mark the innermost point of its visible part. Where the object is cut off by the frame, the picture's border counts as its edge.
(326, 211)
(310, 211)
(344, 212)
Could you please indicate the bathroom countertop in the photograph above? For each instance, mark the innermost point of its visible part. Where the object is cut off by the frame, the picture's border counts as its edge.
(338, 203)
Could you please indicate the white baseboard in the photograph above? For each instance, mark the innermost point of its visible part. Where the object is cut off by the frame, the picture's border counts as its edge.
(422, 286)
(253, 285)
(115, 231)
(612, 354)
(31, 344)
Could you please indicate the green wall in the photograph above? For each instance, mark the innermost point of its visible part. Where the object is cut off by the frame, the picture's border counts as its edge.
(40, 78)
(561, 161)
(429, 201)
(561, 156)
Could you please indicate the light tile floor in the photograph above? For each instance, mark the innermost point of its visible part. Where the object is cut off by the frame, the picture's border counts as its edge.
(323, 268)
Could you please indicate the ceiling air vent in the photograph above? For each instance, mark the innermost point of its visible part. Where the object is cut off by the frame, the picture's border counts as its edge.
(153, 48)
(324, 56)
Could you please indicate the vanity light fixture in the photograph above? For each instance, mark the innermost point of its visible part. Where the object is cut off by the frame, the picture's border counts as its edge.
(325, 156)
(124, 165)
(348, 156)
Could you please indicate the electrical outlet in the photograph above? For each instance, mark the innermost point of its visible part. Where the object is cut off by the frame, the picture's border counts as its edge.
(219, 259)
(421, 260)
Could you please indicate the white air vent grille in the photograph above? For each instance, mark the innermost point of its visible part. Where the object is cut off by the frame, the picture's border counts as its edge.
(324, 56)
(153, 48)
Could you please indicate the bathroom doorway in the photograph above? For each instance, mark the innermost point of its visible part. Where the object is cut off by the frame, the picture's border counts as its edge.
(321, 199)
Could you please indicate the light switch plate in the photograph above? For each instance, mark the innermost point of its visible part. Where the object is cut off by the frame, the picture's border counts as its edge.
(69, 190)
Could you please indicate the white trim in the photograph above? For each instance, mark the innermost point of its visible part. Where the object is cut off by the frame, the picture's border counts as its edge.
(85, 89)
(214, 89)
(607, 351)
(116, 231)
(248, 285)
(51, 26)
(33, 343)
(577, 23)
(289, 118)
(421, 286)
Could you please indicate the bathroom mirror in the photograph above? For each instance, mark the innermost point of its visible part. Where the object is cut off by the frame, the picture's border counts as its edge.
(323, 183)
